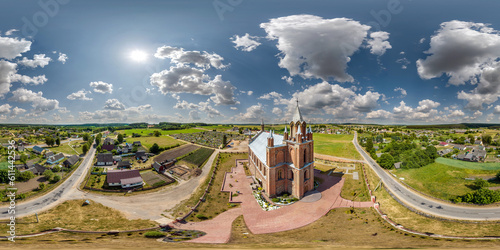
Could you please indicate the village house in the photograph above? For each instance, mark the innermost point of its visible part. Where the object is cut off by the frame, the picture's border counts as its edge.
(124, 178)
(108, 147)
(55, 158)
(104, 159)
(71, 161)
(124, 165)
(38, 150)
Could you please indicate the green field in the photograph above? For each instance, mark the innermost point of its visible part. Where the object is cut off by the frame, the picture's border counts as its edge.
(198, 156)
(66, 149)
(145, 132)
(335, 145)
(469, 165)
(162, 141)
(442, 181)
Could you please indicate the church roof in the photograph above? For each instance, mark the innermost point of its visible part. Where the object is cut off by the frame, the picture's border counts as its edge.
(297, 116)
(259, 144)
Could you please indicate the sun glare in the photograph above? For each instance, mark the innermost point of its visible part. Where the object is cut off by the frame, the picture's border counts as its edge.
(138, 55)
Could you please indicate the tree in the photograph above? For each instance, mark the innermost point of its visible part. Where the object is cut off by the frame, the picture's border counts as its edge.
(481, 183)
(41, 186)
(58, 141)
(85, 148)
(155, 149)
(157, 133)
(120, 138)
(471, 138)
(48, 174)
(486, 139)
(56, 169)
(224, 140)
(49, 141)
(369, 144)
(56, 178)
(386, 161)
(86, 137)
(26, 176)
(24, 158)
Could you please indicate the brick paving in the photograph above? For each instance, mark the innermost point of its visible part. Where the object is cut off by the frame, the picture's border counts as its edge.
(259, 221)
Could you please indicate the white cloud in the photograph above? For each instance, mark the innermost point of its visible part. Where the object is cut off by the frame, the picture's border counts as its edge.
(114, 104)
(402, 110)
(39, 60)
(497, 109)
(36, 80)
(10, 32)
(17, 111)
(80, 95)
(378, 43)
(253, 113)
(250, 92)
(367, 102)
(246, 42)
(234, 108)
(422, 40)
(211, 112)
(378, 114)
(404, 62)
(5, 109)
(185, 105)
(313, 47)
(288, 79)
(456, 113)
(184, 79)
(11, 48)
(271, 95)
(426, 105)
(62, 58)
(277, 111)
(38, 102)
(7, 70)
(194, 115)
(102, 87)
(181, 57)
(401, 90)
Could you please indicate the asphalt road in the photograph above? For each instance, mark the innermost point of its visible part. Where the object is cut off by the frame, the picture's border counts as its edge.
(52, 198)
(424, 204)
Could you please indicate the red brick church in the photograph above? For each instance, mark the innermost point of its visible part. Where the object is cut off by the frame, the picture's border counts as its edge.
(284, 163)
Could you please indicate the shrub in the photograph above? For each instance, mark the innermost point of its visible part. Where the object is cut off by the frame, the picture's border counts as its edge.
(201, 217)
(275, 199)
(481, 183)
(154, 234)
(56, 178)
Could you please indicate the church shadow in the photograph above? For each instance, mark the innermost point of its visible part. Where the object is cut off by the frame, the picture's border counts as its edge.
(327, 181)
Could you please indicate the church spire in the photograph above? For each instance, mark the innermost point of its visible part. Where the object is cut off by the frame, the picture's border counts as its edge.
(297, 116)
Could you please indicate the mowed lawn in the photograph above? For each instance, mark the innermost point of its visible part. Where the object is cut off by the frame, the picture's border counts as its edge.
(335, 145)
(162, 141)
(67, 149)
(440, 180)
(198, 157)
(469, 165)
(145, 132)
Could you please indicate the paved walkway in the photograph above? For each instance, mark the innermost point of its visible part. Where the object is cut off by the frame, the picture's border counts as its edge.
(259, 221)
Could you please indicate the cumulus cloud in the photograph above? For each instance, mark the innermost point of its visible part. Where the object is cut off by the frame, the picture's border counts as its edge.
(426, 105)
(38, 102)
(39, 60)
(378, 114)
(401, 90)
(7, 69)
(250, 92)
(456, 113)
(367, 102)
(477, 60)
(62, 58)
(184, 79)
(314, 47)
(404, 62)
(246, 42)
(277, 111)
(102, 87)
(36, 80)
(253, 113)
(182, 57)
(5, 109)
(378, 43)
(209, 110)
(185, 105)
(194, 115)
(11, 48)
(287, 79)
(10, 32)
(114, 104)
(80, 95)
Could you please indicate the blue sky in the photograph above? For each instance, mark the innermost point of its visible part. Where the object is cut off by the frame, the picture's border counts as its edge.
(389, 62)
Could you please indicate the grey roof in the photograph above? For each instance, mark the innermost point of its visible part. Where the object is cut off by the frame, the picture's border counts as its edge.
(297, 116)
(72, 160)
(132, 180)
(124, 163)
(259, 144)
(38, 149)
(56, 157)
(107, 157)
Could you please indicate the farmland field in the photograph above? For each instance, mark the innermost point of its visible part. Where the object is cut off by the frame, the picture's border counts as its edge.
(335, 145)
(469, 165)
(440, 180)
(162, 141)
(145, 132)
(198, 157)
(176, 152)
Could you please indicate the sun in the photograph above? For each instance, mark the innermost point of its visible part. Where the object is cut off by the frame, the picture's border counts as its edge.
(138, 55)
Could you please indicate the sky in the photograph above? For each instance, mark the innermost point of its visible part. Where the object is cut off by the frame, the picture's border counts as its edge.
(240, 61)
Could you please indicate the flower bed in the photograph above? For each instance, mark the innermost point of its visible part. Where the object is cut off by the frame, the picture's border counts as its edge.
(263, 202)
(284, 200)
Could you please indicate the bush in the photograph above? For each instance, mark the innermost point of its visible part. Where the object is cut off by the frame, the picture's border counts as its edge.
(56, 178)
(481, 196)
(481, 183)
(201, 217)
(154, 234)
(275, 200)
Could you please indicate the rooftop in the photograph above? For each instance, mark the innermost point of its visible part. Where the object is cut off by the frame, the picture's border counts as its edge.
(259, 144)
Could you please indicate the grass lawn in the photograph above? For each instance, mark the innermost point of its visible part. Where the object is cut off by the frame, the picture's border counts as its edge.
(216, 202)
(469, 165)
(355, 190)
(162, 141)
(145, 132)
(67, 149)
(196, 158)
(335, 145)
(72, 215)
(441, 181)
